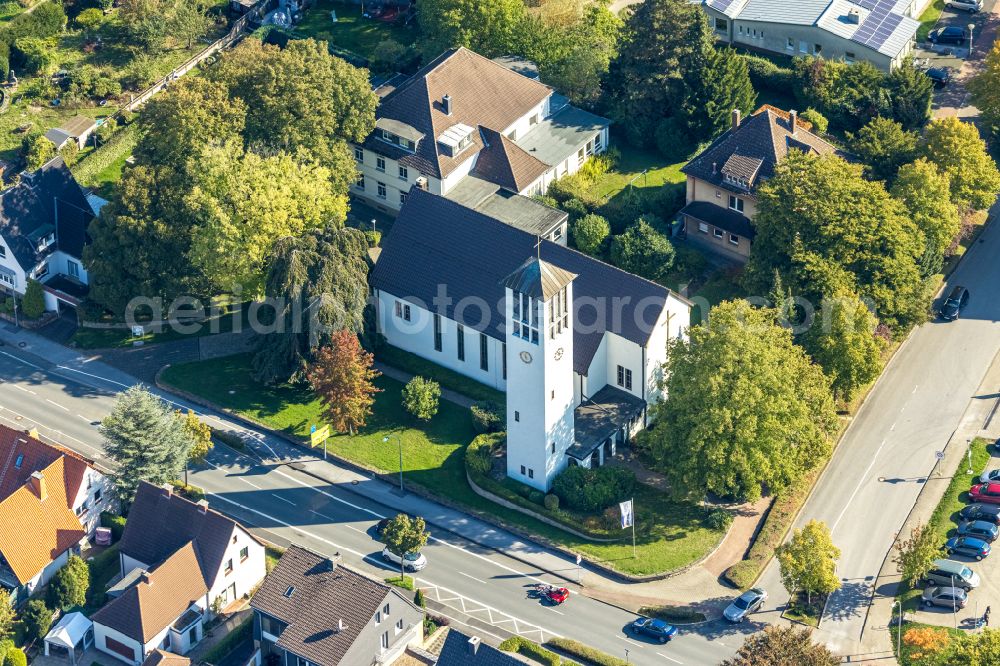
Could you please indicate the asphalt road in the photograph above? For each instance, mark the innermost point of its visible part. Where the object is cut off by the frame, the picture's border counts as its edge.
(876, 472)
(472, 585)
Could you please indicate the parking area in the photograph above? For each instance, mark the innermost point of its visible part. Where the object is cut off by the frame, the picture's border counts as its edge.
(988, 592)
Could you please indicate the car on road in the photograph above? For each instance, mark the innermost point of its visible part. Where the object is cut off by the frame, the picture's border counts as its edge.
(954, 304)
(988, 512)
(988, 493)
(939, 76)
(981, 529)
(971, 6)
(946, 597)
(657, 629)
(743, 605)
(968, 546)
(411, 561)
(951, 34)
(990, 475)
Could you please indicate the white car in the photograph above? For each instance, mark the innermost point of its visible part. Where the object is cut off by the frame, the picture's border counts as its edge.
(743, 605)
(991, 476)
(971, 6)
(411, 561)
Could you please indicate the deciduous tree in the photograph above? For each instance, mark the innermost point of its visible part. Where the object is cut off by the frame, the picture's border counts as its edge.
(956, 148)
(200, 434)
(808, 561)
(782, 646)
(883, 146)
(241, 202)
(582, 54)
(421, 397)
(7, 615)
(915, 556)
(404, 535)
(188, 21)
(145, 439)
(925, 191)
(926, 641)
(38, 150)
(488, 27)
(590, 232)
(976, 649)
(985, 89)
(342, 376)
(744, 409)
(824, 227)
(642, 250)
(318, 284)
(842, 340)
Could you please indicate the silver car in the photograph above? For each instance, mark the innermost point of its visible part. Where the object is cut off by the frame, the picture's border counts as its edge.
(743, 605)
(990, 476)
(411, 561)
(946, 597)
(971, 6)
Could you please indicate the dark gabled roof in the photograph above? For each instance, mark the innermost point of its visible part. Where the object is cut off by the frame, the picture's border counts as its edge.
(312, 595)
(502, 162)
(720, 217)
(753, 150)
(160, 522)
(50, 199)
(456, 652)
(437, 242)
(600, 417)
(483, 93)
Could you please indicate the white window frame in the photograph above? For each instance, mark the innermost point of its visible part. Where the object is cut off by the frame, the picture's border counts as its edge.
(382, 190)
(359, 155)
(717, 233)
(734, 239)
(702, 227)
(380, 163)
(735, 203)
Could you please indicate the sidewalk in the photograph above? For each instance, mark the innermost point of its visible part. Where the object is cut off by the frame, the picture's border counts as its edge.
(875, 644)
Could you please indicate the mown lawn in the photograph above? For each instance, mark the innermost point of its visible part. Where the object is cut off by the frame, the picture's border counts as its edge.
(107, 338)
(639, 169)
(929, 19)
(434, 458)
(352, 31)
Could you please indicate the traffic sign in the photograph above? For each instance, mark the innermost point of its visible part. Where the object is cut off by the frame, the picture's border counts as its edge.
(939, 455)
(319, 435)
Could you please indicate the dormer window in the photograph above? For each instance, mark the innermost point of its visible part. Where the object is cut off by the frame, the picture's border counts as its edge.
(737, 181)
(47, 240)
(396, 140)
(455, 139)
(526, 318)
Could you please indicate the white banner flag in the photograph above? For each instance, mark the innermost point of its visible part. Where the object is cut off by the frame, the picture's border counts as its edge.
(627, 517)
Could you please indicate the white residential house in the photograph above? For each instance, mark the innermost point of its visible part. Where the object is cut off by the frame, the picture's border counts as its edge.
(180, 562)
(43, 229)
(50, 501)
(883, 32)
(576, 343)
(467, 127)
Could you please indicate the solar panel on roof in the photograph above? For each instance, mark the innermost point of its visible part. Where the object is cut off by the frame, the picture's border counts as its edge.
(879, 25)
(720, 5)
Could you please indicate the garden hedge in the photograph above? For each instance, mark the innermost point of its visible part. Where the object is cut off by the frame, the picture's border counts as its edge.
(584, 653)
(531, 650)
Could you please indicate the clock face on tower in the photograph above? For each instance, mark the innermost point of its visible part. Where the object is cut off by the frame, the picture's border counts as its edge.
(559, 353)
(526, 357)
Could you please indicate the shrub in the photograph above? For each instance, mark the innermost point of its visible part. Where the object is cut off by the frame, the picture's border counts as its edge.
(373, 236)
(6, 645)
(230, 439)
(69, 586)
(766, 74)
(70, 153)
(589, 233)
(106, 130)
(479, 453)
(551, 502)
(531, 650)
(36, 55)
(139, 73)
(593, 489)
(88, 81)
(90, 19)
(673, 139)
(643, 250)
(388, 56)
(927, 641)
(488, 416)
(575, 208)
(37, 151)
(115, 523)
(16, 657)
(818, 120)
(537, 496)
(719, 520)
(589, 655)
(33, 303)
(418, 598)
(421, 397)
(36, 618)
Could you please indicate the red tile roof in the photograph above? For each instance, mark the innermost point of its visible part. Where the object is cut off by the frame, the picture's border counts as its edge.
(21, 454)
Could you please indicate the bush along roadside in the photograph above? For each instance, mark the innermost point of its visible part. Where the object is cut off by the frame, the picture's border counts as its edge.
(531, 650)
(584, 653)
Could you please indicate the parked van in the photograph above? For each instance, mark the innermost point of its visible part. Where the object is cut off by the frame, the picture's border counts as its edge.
(944, 571)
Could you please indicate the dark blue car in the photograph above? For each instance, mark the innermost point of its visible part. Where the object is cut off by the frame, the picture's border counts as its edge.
(657, 629)
(980, 529)
(968, 546)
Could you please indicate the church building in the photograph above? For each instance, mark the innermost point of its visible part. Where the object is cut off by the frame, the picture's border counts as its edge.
(576, 344)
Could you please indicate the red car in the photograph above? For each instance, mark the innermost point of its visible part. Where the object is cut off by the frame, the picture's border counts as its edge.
(551, 593)
(985, 492)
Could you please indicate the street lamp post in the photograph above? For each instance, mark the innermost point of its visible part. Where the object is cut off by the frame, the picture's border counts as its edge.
(972, 26)
(899, 628)
(400, 443)
(954, 602)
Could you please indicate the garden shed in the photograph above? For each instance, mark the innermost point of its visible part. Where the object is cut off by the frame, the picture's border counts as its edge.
(72, 635)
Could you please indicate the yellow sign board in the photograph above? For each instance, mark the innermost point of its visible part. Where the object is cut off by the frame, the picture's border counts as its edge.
(320, 435)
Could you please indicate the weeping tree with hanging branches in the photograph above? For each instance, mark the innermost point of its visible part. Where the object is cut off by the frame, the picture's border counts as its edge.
(318, 284)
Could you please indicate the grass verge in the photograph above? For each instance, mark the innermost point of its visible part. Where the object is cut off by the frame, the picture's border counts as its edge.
(531, 650)
(584, 653)
(800, 609)
(405, 582)
(434, 459)
(449, 379)
(929, 19)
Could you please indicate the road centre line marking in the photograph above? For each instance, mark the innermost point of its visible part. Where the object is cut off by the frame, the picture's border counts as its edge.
(552, 609)
(479, 580)
(57, 405)
(81, 416)
(857, 487)
(277, 496)
(352, 527)
(670, 658)
(21, 388)
(21, 360)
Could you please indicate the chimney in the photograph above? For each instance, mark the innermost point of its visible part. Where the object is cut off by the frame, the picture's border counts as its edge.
(473, 645)
(331, 562)
(446, 103)
(341, 625)
(144, 578)
(737, 116)
(37, 482)
(854, 16)
(793, 117)
(203, 506)
(715, 168)
(168, 489)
